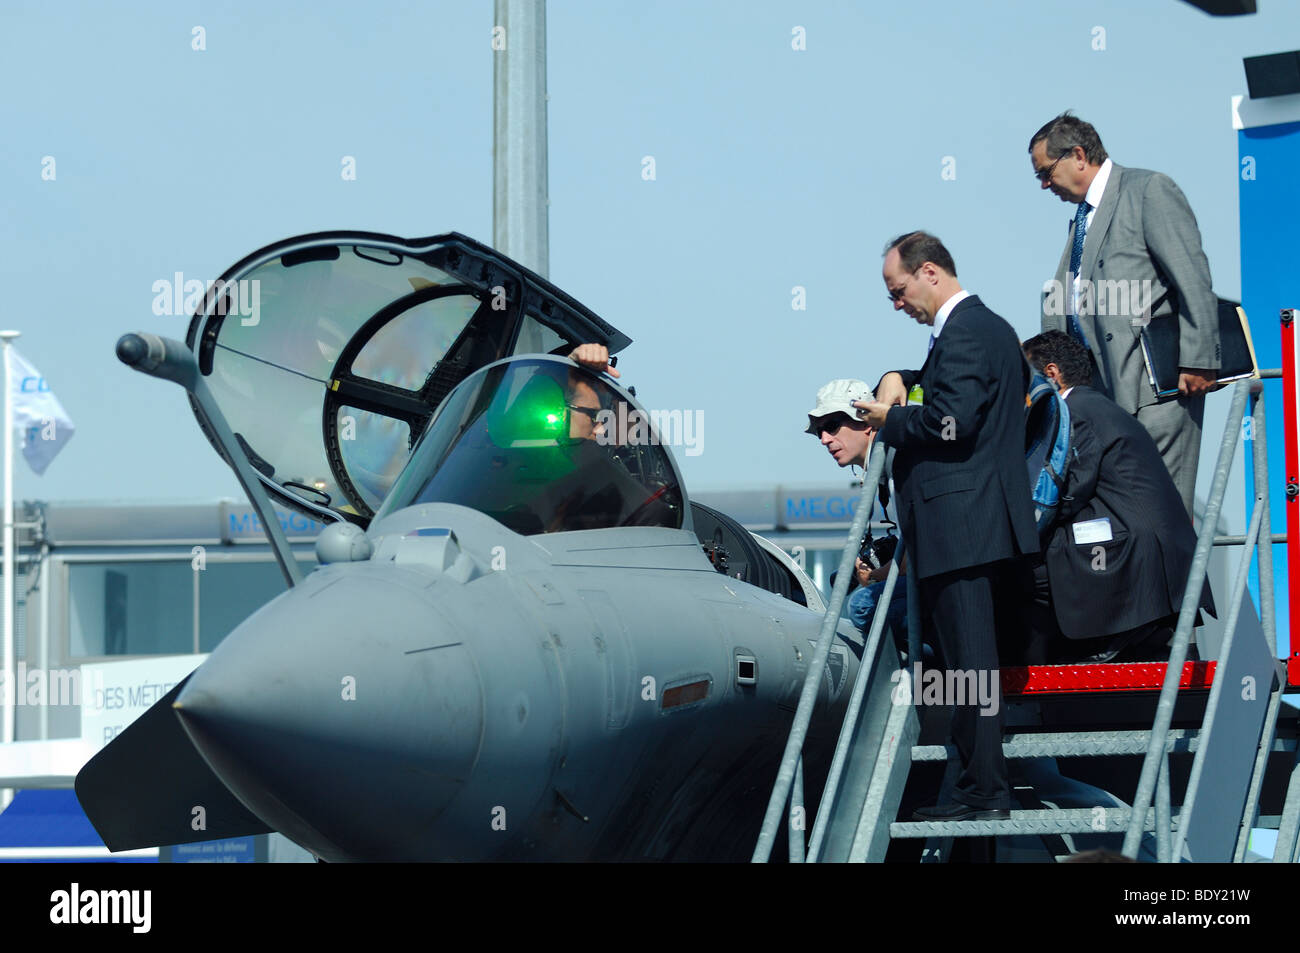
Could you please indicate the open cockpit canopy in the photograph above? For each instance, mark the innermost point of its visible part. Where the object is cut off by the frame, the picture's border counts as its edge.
(328, 353)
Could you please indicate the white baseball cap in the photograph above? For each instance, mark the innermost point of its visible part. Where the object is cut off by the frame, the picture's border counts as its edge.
(837, 398)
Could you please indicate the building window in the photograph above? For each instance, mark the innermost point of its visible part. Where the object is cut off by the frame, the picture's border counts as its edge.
(130, 608)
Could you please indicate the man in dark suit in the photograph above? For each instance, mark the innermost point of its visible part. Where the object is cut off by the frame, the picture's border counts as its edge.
(962, 492)
(1133, 255)
(1119, 555)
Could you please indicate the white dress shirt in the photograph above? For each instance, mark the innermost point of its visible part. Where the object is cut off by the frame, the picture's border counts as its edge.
(941, 318)
(1093, 198)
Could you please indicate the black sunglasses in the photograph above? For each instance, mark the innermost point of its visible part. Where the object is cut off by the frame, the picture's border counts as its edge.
(832, 424)
(592, 412)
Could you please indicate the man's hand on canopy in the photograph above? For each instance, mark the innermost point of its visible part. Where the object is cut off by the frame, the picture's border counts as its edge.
(594, 357)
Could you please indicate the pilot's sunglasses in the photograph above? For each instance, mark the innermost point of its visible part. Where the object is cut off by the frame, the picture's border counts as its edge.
(591, 412)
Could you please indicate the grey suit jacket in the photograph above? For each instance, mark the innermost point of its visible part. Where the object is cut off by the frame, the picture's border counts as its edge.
(1143, 249)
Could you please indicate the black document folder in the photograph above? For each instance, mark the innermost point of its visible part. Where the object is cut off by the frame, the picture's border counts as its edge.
(1236, 349)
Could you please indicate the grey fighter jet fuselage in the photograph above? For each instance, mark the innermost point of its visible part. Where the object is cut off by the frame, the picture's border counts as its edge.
(533, 647)
(605, 695)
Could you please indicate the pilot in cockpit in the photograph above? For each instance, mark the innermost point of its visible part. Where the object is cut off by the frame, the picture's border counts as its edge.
(583, 505)
(614, 428)
(544, 448)
(613, 423)
(585, 419)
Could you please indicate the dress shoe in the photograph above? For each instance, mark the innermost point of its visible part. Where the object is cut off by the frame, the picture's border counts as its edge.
(1118, 645)
(960, 812)
(1153, 648)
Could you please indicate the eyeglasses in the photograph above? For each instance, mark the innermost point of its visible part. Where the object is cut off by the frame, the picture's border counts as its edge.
(1045, 175)
(832, 424)
(592, 412)
(896, 294)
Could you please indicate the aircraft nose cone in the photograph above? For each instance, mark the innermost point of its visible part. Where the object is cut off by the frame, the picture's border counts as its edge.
(347, 715)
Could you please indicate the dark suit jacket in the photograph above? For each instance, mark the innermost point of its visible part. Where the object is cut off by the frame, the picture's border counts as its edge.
(961, 486)
(1117, 475)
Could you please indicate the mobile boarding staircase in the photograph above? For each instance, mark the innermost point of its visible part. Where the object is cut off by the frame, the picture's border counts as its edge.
(1226, 717)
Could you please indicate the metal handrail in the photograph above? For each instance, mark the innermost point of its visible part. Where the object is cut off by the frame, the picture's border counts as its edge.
(1241, 540)
(1268, 620)
(1164, 813)
(795, 834)
(1216, 689)
(808, 697)
(1182, 635)
(1259, 538)
(847, 726)
(1259, 438)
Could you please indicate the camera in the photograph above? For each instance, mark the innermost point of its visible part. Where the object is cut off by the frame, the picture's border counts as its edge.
(877, 552)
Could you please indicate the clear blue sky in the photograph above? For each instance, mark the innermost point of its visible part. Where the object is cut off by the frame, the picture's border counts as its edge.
(775, 168)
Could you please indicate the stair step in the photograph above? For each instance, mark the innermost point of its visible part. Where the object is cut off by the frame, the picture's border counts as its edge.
(1038, 680)
(1084, 820)
(1071, 744)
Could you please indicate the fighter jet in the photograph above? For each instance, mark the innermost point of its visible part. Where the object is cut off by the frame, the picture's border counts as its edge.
(523, 640)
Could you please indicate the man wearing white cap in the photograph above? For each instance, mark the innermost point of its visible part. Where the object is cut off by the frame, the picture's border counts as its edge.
(848, 440)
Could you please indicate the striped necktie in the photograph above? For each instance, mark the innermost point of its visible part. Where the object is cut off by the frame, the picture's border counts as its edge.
(1076, 259)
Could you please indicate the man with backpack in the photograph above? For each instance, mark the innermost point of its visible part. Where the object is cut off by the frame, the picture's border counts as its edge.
(1117, 558)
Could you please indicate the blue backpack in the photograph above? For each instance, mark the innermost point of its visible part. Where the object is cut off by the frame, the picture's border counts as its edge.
(1047, 449)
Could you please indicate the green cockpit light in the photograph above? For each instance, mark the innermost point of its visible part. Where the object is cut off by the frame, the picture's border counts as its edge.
(534, 416)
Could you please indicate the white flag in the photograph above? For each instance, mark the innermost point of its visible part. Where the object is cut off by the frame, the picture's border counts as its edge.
(39, 419)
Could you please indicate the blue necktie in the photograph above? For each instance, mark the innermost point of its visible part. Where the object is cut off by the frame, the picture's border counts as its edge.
(1076, 259)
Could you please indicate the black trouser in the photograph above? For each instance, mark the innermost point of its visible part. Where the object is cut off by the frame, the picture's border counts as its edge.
(965, 611)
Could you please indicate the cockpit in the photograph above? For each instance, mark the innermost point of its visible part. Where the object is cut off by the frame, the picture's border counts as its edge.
(330, 353)
(543, 446)
(361, 373)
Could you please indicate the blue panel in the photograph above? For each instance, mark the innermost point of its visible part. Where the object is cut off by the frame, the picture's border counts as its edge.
(1270, 281)
(53, 819)
(46, 819)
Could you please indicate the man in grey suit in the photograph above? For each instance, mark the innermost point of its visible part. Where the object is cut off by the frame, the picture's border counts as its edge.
(1133, 255)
